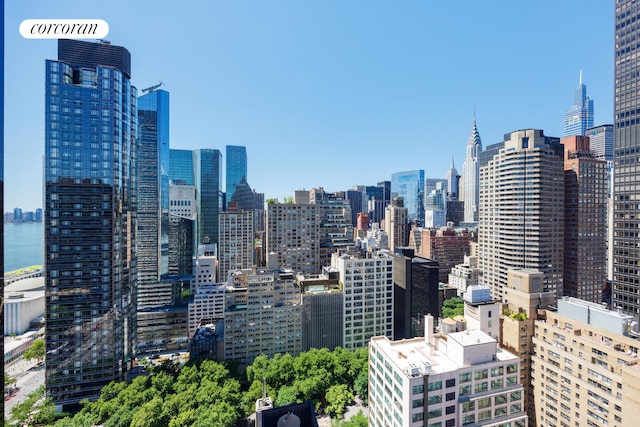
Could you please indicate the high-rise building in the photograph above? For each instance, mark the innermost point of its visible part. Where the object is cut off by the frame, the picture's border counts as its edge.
(336, 228)
(236, 169)
(435, 207)
(208, 176)
(521, 223)
(395, 223)
(236, 241)
(410, 186)
(447, 246)
(367, 285)
(322, 310)
(181, 167)
(626, 207)
(601, 142)
(358, 202)
(253, 327)
(470, 174)
(452, 181)
(523, 298)
(465, 274)
(293, 236)
(579, 117)
(454, 380)
(90, 219)
(181, 249)
(207, 306)
(586, 369)
(585, 219)
(152, 195)
(415, 294)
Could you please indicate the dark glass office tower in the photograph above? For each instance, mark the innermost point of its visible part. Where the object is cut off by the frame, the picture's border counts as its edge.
(236, 168)
(181, 167)
(626, 188)
(152, 167)
(90, 219)
(208, 176)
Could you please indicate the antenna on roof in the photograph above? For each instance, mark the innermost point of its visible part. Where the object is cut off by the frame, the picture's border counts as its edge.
(152, 88)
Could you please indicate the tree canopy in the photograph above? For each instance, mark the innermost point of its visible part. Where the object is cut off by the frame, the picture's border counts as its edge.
(35, 350)
(453, 307)
(205, 393)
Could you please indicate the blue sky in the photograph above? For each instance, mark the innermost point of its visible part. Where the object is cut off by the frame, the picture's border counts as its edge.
(327, 93)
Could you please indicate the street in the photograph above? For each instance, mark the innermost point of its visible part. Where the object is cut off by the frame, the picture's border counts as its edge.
(29, 377)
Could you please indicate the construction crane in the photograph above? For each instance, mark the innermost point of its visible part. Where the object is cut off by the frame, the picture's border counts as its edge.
(152, 88)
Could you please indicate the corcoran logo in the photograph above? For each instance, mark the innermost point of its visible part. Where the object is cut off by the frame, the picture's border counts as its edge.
(64, 29)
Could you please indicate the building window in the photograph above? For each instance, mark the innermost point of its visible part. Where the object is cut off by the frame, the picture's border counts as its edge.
(435, 413)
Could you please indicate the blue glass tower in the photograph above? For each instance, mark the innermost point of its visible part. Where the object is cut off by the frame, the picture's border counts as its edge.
(181, 166)
(579, 117)
(236, 168)
(90, 219)
(410, 186)
(152, 170)
(208, 177)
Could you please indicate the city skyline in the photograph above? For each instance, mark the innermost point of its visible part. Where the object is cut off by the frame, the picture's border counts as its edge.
(283, 80)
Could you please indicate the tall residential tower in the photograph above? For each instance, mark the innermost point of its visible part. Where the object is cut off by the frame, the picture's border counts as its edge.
(90, 218)
(521, 222)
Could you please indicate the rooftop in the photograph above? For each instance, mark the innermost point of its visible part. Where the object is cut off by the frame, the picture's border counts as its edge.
(414, 357)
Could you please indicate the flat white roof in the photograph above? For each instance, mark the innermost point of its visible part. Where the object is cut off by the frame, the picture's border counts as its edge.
(415, 352)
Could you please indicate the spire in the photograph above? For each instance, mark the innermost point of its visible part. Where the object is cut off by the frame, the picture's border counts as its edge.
(453, 166)
(580, 76)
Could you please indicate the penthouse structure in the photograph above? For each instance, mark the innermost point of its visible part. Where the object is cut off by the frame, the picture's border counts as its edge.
(463, 378)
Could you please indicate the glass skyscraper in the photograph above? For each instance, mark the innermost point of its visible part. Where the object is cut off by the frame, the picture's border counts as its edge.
(236, 168)
(90, 218)
(410, 186)
(579, 117)
(208, 176)
(181, 166)
(152, 170)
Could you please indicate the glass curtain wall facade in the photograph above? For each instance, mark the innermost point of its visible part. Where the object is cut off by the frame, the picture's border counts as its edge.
(208, 176)
(236, 168)
(153, 187)
(410, 186)
(181, 167)
(579, 117)
(90, 218)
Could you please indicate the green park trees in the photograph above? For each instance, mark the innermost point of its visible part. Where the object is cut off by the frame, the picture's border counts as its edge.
(207, 393)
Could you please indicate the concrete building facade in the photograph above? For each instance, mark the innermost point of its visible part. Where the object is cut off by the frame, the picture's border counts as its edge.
(367, 284)
(463, 378)
(585, 219)
(522, 211)
(585, 368)
(293, 235)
